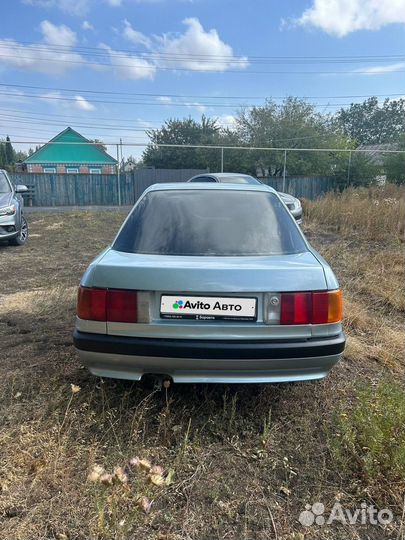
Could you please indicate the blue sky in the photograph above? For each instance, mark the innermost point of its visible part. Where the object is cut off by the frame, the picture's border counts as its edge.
(187, 58)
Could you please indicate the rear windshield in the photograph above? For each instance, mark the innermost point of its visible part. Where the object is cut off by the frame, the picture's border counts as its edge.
(209, 222)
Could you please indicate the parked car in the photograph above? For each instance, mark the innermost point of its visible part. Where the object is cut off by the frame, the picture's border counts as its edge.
(209, 283)
(292, 203)
(13, 225)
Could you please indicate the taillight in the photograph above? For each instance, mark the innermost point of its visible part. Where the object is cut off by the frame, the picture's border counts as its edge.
(296, 308)
(122, 306)
(91, 304)
(311, 307)
(113, 305)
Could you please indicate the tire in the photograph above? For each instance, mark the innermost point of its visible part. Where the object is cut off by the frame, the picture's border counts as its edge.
(22, 237)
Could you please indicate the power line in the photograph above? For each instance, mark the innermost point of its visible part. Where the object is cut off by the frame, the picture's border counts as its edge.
(102, 128)
(72, 118)
(152, 103)
(218, 146)
(196, 96)
(200, 56)
(18, 120)
(207, 70)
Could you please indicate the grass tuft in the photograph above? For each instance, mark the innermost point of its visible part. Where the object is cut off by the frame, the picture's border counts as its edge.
(368, 438)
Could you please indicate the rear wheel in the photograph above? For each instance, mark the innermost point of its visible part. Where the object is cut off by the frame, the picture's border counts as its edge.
(22, 237)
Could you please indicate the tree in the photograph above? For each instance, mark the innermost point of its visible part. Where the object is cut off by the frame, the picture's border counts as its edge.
(372, 123)
(100, 144)
(9, 152)
(20, 155)
(3, 163)
(293, 124)
(186, 131)
(394, 164)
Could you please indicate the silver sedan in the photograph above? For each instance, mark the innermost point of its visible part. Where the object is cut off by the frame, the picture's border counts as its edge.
(13, 225)
(210, 283)
(292, 203)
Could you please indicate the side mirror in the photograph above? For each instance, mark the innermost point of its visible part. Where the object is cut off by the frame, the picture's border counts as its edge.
(21, 188)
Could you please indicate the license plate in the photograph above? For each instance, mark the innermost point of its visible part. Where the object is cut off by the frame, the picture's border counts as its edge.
(208, 308)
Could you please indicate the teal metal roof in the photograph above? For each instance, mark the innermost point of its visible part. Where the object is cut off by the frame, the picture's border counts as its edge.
(70, 153)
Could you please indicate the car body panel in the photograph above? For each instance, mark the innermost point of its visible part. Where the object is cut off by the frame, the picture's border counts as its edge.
(207, 274)
(187, 370)
(243, 276)
(15, 220)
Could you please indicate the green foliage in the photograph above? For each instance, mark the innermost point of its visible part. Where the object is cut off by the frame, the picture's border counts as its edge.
(186, 131)
(394, 165)
(8, 156)
(9, 151)
(372, 123)
(294, 124)
(368, 439)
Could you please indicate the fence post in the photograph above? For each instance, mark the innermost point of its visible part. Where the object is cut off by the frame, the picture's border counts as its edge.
(118, 175)
(348, 167)
(222, 159)
(285, 163)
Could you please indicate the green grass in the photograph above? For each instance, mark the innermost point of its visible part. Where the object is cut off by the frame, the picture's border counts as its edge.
(368, 437)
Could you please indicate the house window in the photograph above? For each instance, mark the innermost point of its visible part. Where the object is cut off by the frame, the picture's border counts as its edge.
(72, 170)
(95, 171)
(49, 169)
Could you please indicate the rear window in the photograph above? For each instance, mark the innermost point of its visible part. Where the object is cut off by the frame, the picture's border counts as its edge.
(209, 222)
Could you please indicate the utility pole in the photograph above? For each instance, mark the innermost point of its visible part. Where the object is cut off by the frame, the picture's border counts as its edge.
(285, 164)
(348, 167)
(118, 175)
(222, 159)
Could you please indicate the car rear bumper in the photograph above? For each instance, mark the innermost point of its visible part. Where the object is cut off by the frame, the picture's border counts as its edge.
(208, 361)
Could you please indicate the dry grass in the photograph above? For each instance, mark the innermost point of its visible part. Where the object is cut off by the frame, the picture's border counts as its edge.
(375, 213)
(245, 459)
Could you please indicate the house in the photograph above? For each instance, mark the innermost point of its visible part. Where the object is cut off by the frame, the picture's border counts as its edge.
(70, 155)
(375, 152)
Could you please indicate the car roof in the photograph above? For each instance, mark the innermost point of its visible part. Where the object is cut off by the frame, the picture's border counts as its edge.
(220, 175)
(210, 186)
(224, 174)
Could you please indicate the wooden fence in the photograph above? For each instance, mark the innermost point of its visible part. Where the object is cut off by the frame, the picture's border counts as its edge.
(95, 189)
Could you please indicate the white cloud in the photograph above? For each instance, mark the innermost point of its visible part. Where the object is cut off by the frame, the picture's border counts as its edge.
(56, 99)
(83, 104)
(134, 36)
(195, 49)
(87, 26)
(197, 106)
(165, 99)
(58, 35)
(340, 17)
(129, 66)
(41, 57)
(227, 121)
(72, 7)
(53, 98)
(198, 42)
(114, 3)
(377, 70)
